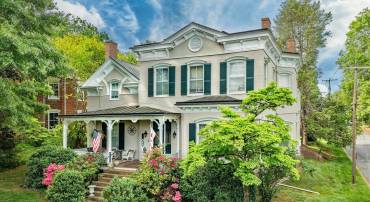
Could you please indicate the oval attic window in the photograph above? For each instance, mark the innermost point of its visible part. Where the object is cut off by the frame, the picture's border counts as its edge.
(195, 44)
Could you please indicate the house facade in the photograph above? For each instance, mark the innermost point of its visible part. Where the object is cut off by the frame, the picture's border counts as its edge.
(63, 100)
(179, 84)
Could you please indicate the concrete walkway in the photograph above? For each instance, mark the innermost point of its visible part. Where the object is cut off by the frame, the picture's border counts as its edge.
(363, 155)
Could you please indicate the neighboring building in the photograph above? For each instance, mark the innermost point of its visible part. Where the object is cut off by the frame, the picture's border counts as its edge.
(179, 84)
(62, 101)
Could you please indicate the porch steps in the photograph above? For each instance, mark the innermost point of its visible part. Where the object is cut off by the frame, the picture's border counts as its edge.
(105, 178)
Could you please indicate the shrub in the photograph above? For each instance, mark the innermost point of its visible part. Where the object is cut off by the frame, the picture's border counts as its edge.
(49, 173)
(88, 165)
(68, 185)
(156, 175)
(41, 159)
(124, 189)
(212, 182)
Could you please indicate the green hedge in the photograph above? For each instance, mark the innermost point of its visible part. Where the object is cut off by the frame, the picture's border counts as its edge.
(124, 189)
(41, 159)
(68, 185)
(213, 182)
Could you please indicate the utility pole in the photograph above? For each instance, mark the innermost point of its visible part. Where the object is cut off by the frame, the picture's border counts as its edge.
(354, 120)
(329, 80)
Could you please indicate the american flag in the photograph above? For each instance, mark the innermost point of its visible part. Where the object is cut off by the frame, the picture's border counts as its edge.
(96, 140)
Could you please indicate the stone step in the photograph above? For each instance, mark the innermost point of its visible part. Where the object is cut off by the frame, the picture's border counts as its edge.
(99, 188)
(111, 175)
(105, 179)
(93, 199)
(118, 172)
(101, 184)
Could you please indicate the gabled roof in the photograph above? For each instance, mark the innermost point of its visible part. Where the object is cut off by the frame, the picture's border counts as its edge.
(188, 28)
(123, 110)
(94, 80)
(211, 100)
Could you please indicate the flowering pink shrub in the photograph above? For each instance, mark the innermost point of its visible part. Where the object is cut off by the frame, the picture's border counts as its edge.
(159, 176)
(49, 173)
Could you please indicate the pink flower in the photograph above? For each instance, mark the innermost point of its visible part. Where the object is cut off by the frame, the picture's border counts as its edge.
(174, 186)
(49, 173)
(177, 197)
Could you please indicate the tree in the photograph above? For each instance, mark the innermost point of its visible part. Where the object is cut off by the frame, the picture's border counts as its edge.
(357, 53)
(84, 54)
(27, 58)
(331, 121)
(253, 144)
(305, 22)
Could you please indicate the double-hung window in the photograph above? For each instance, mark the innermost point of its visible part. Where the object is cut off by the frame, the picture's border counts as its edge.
(161, 81)
(114, 90)
(236, 76)
(196, 79)
(53, 119)
(55, 88)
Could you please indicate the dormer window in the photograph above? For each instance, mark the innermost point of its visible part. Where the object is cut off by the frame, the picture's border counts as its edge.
(114, 90)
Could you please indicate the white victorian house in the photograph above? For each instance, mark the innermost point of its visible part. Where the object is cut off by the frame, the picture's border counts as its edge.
(179, 84)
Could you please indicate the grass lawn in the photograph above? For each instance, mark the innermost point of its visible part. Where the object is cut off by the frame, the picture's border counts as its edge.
(332, 179)
(11, 190)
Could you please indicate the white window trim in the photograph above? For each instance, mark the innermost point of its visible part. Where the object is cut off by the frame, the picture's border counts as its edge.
(55, 97)
(228, 77)
(110, 89)
(188, 79)
(155, 79)
(289, 78)
(206, 121)
(49, 112)
(200, 45)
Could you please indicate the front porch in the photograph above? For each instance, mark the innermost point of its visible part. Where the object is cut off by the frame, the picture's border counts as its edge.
(129, 128)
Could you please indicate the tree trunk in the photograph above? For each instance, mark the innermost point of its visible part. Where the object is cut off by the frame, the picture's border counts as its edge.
(246, 193)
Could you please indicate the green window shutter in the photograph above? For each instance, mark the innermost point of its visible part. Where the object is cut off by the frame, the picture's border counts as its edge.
(223, 79)
(184, 79)
(171, 80)
(192, 132)
(250, 75)
(207, 79)
(150, 82)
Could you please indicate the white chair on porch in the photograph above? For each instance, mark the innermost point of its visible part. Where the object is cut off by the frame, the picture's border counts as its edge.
(127, 155)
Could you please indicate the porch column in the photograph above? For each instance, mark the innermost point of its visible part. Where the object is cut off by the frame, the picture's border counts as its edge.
(110, 124)
(160, 127)
(65, 133)
(178, 137)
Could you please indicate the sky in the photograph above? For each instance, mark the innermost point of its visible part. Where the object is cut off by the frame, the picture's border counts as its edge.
(131, 22)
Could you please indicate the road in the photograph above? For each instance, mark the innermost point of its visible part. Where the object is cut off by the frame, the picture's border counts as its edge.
(363, 155)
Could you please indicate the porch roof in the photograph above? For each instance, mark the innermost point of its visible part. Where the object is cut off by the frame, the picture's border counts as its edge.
(123, 110)
(210, 100)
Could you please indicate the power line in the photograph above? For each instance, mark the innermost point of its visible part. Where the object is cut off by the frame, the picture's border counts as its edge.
(328, 81)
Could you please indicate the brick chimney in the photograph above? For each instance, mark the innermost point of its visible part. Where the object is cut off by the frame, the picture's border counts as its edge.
(290, 46)
(110, 49)
(265, 23)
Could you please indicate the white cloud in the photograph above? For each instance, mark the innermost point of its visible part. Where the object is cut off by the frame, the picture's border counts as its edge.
(92, 16)
(263, 4)
(344, 12)
(128, 20)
